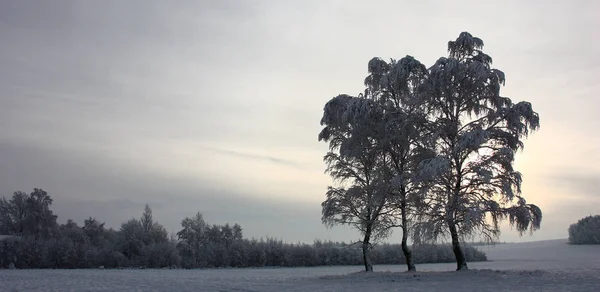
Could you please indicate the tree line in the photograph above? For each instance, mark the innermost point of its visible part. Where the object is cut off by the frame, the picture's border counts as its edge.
(428, 150)
(36, 240)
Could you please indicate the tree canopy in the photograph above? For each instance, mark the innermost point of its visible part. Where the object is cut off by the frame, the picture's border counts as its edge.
(435, 145)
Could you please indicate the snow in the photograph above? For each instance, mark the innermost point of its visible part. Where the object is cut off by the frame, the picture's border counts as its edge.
(535, 266)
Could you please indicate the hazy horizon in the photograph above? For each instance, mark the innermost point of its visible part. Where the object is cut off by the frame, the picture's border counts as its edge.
(214, 106)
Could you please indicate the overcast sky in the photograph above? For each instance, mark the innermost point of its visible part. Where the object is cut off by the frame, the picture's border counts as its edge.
(214, 106)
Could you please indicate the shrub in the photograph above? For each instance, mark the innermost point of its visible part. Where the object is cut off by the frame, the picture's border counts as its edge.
(161, 255)
(585, 231)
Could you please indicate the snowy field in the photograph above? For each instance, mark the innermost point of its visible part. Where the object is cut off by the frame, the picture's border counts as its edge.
(537, 266)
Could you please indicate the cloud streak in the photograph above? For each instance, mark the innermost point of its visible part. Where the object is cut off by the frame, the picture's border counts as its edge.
(252, 156)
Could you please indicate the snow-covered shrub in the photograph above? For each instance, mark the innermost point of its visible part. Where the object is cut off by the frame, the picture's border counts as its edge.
(8, 254)
(161, 255)
(585, 231)
(65, 253)
(27, 253)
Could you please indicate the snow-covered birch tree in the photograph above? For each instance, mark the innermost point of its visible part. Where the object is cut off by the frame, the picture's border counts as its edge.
(396, 86)
(356, 163)
(477, 131)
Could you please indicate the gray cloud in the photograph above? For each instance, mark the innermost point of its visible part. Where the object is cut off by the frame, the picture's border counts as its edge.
(214, 106)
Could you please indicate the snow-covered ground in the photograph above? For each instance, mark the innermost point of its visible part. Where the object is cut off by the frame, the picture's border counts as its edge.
(537, 266)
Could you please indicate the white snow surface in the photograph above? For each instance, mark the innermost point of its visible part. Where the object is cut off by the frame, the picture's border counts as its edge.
(535, 266)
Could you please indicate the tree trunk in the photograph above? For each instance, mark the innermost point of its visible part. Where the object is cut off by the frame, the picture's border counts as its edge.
(405, 249)
(407, 253)
(461, 262)
(366, 251)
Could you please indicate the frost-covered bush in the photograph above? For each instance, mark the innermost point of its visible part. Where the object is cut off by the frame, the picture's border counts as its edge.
(8, 253)
(65, 253)
(25, 252)
(161, 255)
(109, 258)
(585, 231)
(304, 255)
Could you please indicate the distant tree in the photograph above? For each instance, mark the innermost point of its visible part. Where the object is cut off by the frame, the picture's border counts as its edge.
(70, 249)
(40, 220)
(238, 254)
(74, 233)
(70, 224)
(478, 132)
(13, 213)
(257, 256)
(153, 231)
(213, 234)
(132, 237)
(585, 231)
(227, 235)
(193, 238)
(93, 230)
(145, 242)
(146, 219)
(237, 232)
(28, 214)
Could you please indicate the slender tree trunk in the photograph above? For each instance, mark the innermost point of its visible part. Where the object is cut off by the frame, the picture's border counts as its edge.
(461, 262)
(407, 253)
(367, 251)
(405, 249)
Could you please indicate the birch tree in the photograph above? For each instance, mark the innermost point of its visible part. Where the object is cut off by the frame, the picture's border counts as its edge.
(361, 198)
(477, 132)
(383, 133)
(396, 86)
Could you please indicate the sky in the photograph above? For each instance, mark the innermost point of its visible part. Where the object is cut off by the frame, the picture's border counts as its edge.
(214, 106)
